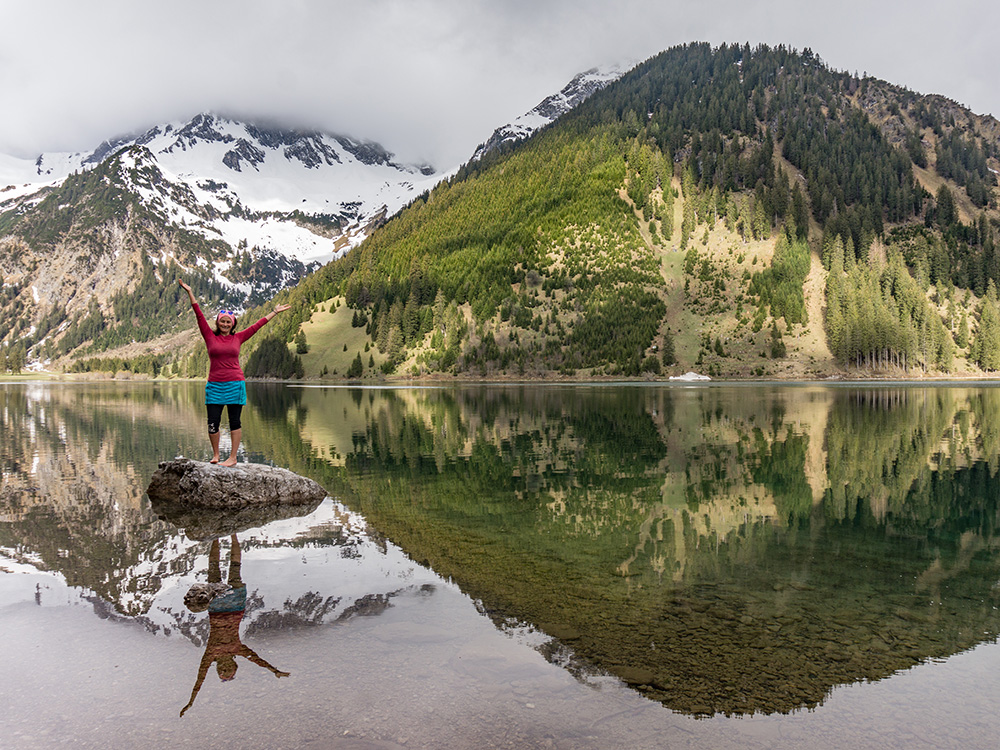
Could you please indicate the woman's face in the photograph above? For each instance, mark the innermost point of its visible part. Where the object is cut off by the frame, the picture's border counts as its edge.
(225, 325)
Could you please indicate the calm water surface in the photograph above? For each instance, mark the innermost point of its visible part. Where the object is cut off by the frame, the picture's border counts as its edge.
(509, 567)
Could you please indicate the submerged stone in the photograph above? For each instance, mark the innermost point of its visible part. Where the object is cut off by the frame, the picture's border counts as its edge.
(634, 675)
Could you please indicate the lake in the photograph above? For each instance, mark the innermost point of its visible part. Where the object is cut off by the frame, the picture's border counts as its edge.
(509, 566)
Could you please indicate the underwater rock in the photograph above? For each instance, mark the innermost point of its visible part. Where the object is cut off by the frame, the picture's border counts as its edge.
(197, 484)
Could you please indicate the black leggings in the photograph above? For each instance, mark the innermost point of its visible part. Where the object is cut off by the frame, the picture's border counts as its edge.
(215, 416)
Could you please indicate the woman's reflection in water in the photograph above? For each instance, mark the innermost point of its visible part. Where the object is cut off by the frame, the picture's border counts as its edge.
(225, 603)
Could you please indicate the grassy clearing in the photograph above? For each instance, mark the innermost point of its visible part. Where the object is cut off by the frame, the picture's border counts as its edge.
(328, 331)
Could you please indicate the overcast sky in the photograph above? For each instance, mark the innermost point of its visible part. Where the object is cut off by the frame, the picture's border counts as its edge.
(429, 79)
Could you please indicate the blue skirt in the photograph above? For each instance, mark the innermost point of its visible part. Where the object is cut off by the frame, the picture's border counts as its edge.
(231, 392)
(234, 600)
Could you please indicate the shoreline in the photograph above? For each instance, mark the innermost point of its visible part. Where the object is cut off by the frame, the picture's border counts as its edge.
(402, 381)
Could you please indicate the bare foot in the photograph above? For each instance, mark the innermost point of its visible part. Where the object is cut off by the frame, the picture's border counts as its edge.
(214, 460)
(231, 461)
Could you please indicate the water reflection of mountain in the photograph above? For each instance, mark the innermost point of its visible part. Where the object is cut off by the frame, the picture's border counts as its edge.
(725, 550)
(75, 460)
(321, 569)
(722, 549)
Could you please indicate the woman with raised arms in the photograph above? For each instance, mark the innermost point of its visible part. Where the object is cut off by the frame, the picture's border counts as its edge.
(226, 385)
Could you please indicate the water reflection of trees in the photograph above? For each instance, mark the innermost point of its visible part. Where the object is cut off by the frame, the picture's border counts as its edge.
(701, 545)
(879, 443)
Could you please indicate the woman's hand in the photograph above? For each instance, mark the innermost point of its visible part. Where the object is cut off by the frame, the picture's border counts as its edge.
(277, 309)
(187, 289)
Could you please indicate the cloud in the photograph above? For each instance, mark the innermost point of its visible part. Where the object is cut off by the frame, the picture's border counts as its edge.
(429, 79)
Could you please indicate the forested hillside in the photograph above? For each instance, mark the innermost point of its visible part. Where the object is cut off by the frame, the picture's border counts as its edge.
(740, 211)
(743, 212)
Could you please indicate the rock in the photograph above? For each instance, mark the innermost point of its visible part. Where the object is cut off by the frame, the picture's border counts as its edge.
(196, 484)
(634, 675)
(200, 595)
(561, 632)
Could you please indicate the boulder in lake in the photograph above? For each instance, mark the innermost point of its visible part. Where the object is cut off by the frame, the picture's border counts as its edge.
(197, 484)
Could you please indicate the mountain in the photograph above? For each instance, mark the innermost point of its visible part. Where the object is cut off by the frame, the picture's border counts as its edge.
(550, 109)
(250, 184)
(243, 210)
(744, 212)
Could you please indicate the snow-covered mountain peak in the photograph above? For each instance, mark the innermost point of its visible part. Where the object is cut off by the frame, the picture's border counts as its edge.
(551, 108)
(251, 184)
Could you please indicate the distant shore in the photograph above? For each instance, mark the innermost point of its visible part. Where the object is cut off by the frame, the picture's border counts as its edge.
(555, 379)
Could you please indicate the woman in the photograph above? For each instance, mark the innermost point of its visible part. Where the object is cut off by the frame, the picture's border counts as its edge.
(226, 385)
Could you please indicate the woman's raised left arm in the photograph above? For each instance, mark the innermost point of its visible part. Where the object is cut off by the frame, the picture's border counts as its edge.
(277, 309)
(248, 332)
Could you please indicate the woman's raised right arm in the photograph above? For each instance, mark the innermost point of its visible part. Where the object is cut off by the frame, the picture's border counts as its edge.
(202, 323)
(187, 289)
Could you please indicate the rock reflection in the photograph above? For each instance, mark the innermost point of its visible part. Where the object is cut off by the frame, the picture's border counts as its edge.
(210, 523)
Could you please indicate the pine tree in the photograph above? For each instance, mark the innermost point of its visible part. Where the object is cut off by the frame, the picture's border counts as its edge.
(669, 357)
(301, 347)
(987, 343)
(16, 358)
(382, 337)
(356, 368)
(411, 316)
(946, 211)
(761, 224)
(439, 307)
(963, 331)
(945, 347)
(777, 345)
(395, 351)
(688, 222)
(800, 212)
